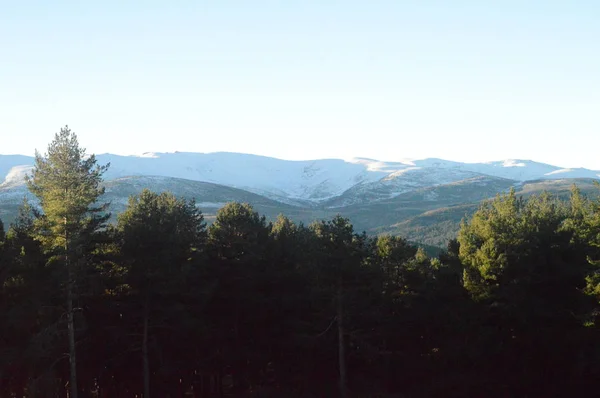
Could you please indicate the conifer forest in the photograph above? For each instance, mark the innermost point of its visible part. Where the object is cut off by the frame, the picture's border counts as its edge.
(157, 302)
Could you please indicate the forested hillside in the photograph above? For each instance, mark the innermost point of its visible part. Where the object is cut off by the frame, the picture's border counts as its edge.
(159, 304)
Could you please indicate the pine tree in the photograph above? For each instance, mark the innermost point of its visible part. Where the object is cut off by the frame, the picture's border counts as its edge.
(526, 265)
(238, 245)
(67, 184)
(340, 248)
(35, 318)
(159, 235)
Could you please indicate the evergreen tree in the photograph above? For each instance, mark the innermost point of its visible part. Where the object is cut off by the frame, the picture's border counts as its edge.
(238, 248)
(67, 184)
(513, 249)
(340, 255)
(584, 222)
(4, 271)
(392, 253)
(33, 311)
(523, 260)
(159, 236)
(247, 307)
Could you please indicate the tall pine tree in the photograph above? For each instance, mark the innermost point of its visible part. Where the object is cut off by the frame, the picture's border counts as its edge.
(159, 235)
(67, 184)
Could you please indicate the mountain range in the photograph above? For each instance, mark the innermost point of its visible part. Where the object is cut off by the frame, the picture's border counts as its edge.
(422, 199)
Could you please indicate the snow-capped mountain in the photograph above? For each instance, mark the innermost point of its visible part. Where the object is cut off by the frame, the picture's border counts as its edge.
(512, 169)
(423, 200)
(399, 182)
(309, 180)
(350, 181)
(12, 168)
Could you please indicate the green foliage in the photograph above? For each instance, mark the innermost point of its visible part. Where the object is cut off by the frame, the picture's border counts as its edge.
(161, 237)
(339, 244)
(246, 307)
(67, 184)
(238, 233)
(528, 263)
(514, 249)
(159, 232)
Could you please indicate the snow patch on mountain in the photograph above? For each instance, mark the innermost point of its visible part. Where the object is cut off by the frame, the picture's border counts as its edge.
(397, 183)
(401, 173)
(148, 155)
(16, 176)
(8, 162)
(308, 181)
(373, 165)
(313, 180)
(572, 173)
(14, 194)
(513, 163)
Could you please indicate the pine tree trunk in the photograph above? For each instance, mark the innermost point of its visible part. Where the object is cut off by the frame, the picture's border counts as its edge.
(71, 327)
(146, 362)
(341, 346)
(70, 316)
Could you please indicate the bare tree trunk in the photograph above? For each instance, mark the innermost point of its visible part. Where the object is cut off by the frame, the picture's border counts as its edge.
(71, 327)
(145, 359)
(341, 346)
(70, 316)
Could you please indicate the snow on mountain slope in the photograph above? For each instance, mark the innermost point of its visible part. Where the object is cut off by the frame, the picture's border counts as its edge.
(373, 165)
(399, 182)
(314, 181)
(572, 173)
(513, 169)
(7, 162)
(16, 176)
(309, 180)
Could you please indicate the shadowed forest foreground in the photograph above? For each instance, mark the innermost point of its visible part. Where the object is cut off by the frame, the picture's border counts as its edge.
(161, 305)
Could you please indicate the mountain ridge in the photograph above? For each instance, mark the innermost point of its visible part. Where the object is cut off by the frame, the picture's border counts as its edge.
(309, 181)
(420, 199)
(423, 203)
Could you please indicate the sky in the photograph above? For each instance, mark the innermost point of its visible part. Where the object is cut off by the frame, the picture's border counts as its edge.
(305, 79)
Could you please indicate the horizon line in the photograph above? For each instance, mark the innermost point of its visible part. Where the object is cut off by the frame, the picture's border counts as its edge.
(353, 159)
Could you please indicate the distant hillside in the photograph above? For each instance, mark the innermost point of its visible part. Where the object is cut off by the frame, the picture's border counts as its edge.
(435, 227)
(335, 181)
(423, 200)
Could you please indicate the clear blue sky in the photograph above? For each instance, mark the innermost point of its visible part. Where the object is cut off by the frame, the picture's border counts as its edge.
(299, 79)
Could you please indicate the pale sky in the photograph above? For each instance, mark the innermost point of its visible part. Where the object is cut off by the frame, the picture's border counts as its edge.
(303, 79)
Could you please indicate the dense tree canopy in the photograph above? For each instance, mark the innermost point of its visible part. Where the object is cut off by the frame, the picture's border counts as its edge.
(159, 235)
(161, 305)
